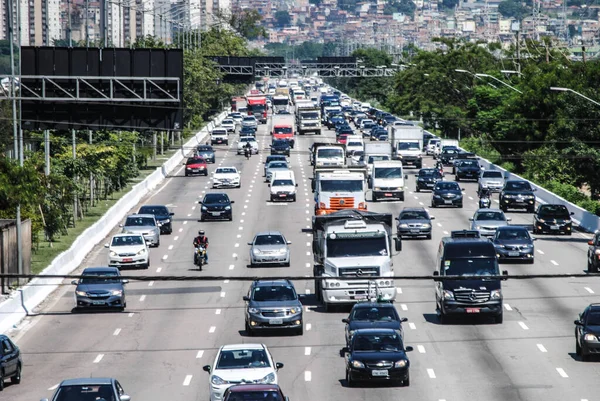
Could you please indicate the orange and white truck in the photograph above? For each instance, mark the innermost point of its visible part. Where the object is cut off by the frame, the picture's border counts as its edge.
(282, 127)
(339, 189)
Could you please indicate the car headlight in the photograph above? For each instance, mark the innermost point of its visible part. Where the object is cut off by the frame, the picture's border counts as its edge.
(401, 363)
(116, 292)
(426, 225)
(268, 379)
(254, 310)
(478, 227)
(81, 293)
(351, 333)
(113, 253)
(166, 221)
(448, 295)
(436, 196)
(188, 168)
(217, 381)
(358, 364)
(282, 250)
(528, 246)
(384, 283)
(293, 311)
(204, 208)
(256, 251)
(590, 337)
(141, 251)
(227, 207)
(496, 294)
(403, 225)
(499, 246)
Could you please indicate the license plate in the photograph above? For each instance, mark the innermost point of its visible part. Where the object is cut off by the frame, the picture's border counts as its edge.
(473, 310)
(513, 254)
(358, 297)
(414, 231)
(98, 302)
(387, 194)
(195, 170)
(429, 185)
(216, 213)
(448, 202)
(128, 260)
(554, 227)
(276, 321)
(282, 195)
(380, 373)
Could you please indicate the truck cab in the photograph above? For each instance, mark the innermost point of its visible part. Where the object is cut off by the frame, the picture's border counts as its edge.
(387, 180)
(327, 155)
(339, 189)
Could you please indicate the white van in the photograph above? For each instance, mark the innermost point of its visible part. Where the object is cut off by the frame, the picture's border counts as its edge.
(365, 107)
(283, 186)
(354, 143)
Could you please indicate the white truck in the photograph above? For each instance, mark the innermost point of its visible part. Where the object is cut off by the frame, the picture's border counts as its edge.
(376, 151)
(337, 189)
(442, 143)
(308, 118)
(408, 144)
(387, 180)
(353, 257)
(327, 154)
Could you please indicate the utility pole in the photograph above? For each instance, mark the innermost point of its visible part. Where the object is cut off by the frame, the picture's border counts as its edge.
(69, 29)
(47, 152)
(87, 23)
(74, 144)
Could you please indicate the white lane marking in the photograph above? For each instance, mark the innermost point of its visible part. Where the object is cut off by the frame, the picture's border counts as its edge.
(308, 244)
(199, 354)
(307, 309)
(554, 262)
(523, 326)
(245, 206)
(116, 332)
(222, 294)
(158, 270)
(218, 312)
(412, 326)
(189, 215)
(416, 197)
(421, 203)
(439, 225)
(165, 257)
(193, 207)
(308, 326)
(431, 373)
(187, 380)
(231, 267)
(307, 253)
(240, 228)
(142, 298)
(185, 222)
(307, 376)
(212, 329)
(496, 200)
(399, 290)
(306, 351)
(588, 289)
(540, 252)
(541, 348)
(181, 229)
(175, 238)
(130, 314)
(421, 349)
(243, 214)
(470, 198)
(308, 265)
(53, 387)
(239, 236)
(236, 246)
(98, 358)
(151, 283)
(403, 307)
(562, 373)
(235, 255)
(170, 247)
(226, 281)
(507, 307)
(445, 232)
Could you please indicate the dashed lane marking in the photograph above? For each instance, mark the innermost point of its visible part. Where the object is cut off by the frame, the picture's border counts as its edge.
(150, 284)
(562, 373)
(431, 373)
(308, 326)
(421, 349)
(307, 351)
(185, 222)
(445, 232)
(218, 312)
(307, 253)
(189, 215)
(222, 294)
(588, 289)
(507, 307)
(523, 326)
(225, 281)
(175, 238)
(181, 229)
(399, 290)
(470, 198)
(142, 298)
(193, 207)
(170, 247)
(187, 380)
(403, 307)
(130, 314)
(554, 262)
(439, 225)
(98, 358)
(308, 265)
(412, 326)
(235, 255)
(116, 332)
(199, 354)
(158, 270)
(540, 251)
(541, 348)
(308, 244)
(212, 329)
(165, 257)
(236, 246)
(307, 376)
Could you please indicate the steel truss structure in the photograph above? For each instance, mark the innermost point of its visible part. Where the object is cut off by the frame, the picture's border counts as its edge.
(56, 88)
(309, 69)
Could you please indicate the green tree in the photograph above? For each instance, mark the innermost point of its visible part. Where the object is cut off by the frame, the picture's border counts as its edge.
(512, 9)
(400, 6)
(282, 18)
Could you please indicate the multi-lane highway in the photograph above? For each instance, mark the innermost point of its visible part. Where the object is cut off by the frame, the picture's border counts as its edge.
(157, 347)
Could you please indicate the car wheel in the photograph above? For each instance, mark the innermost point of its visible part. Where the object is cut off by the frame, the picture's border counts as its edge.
(499, 319)
(300, 330)
(1, 381)
(406, 382)
(349, 380)
(460, 205)
(418, 189)
(443, 318)
(428, 236)
(249, 331)
(503, 208)
(16, 379)
(230, 218)
(456, 178)
(433, 205)
(202, 218)
(585, 357)
(531, 261)
(577, 348)
(530, 210)
(186, 174)
(327, 306)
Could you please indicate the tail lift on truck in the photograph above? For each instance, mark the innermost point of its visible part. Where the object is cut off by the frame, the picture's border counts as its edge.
(338, 189)
(283, 127)
(353, 257)
(257, 107)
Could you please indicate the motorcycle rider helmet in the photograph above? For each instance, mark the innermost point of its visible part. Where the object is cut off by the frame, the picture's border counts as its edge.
(201, 232)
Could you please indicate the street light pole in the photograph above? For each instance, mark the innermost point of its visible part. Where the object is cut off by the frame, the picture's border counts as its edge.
(559, 89)
(499, 80)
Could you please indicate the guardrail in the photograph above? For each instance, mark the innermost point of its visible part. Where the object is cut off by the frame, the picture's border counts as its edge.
(22, 302)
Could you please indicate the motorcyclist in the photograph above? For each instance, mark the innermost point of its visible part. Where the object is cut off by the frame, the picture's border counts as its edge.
(484, 197)
(247, 149)
(440, 166)
(202, 240)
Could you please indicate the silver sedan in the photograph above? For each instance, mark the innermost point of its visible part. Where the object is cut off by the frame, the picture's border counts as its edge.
(269, 247)
(487, 221)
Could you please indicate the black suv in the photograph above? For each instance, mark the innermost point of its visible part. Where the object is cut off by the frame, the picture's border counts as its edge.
(427, 178)
(517, 194)
(10, 361)
(552, 218)
(162, 215)
(447, 193)
(587, 332)
(272, 305)
(373, 315)
(468, 170)
(280, 147)
(448, 155)
(593, 255)
(216, 206)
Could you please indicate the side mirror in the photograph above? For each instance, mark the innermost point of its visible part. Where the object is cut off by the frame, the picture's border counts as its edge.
(269, 185)
(398, 244)
(249, 243)
(279, 365)
(534, 189)
(578, 323)
(509, 219)
(409, 349)
(462, 189)
(74, 282)
(296, 185)
(289, 242)
(125, 281)
(199, 202)
(106, 245)
(232, 201)
(206, 368)
(171, 214)
(121, 225)
(591, 242)
(345, 350)
(397, 219)
(504, 273)
(246, 298)
(470, 219)
(404, 319)
(346, 321)
(124, 397)
(436, 273)
(572, 213)
(431, 217)
(406, 176)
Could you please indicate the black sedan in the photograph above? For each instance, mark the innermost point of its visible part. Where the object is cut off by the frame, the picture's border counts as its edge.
(372, 315)
(103, 288)
(587, 332)
(552, 219)
(280, 147)
(517, 194)
(414, 222)
(514, 243)
(10, 361)
(379, 134)
(377, 355)
(447, 194)
(216, 206)
(447, 156)
(468, 170)
(206, 152)
(162, 215)
(427, 178)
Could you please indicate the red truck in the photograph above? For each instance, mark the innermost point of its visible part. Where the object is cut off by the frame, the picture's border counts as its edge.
(257, 107)
(283, 127)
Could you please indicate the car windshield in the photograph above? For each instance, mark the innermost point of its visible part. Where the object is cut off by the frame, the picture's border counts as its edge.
(515, 234)
(227, 122)
(273, 158)
(374, 314)
(139, 221)
(226, 170)
(247, 139)
(216, 198)
(254, 395)
(345, 247)
(368, 124)
(388, 172)
(310, 115)
(414, 215)
(471, 267)
(85, 392)
(104, 277)
(353, 143)
(219, 132)
(518, 186)
(205, 149)
(378, 343)
(274, 293)
(127, 240)
(489, 216)
(278, 165)
(283, 130)
(492, 174)
(156, 210)
(282, 183)
(243, 359)
(329, 153)
(449, 151)
(408, 145)
(281, 143)
(593, 319)
(195, 160)
(249, 119)
(432, 173)
(269, 240)
(469, 163)
(447, 186)
(338, 185)
(376, 158)
(554, 211)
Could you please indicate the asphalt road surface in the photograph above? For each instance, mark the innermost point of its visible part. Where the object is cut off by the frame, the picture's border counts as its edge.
(157, 347)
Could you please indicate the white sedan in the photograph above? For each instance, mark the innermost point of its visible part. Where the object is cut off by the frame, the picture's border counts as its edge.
(226, 177)
(237, 363)
(228, 124)
(243, 141)
(250, 121)
(128, 250)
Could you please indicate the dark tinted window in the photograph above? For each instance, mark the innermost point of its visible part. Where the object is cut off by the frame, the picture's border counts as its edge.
(518, 186)
(91, 393)
(374, 314)
(254, 396)
(593, 318)
(269, 240)
(414, 215)
(554, 210)
(274, 293)
(159, 210)
(139, 221)
(467, 249)
(468, 267)
(451, 186)
(102, 277)
(216, 198)
(512, 234)
(195, 160)
(378, 342)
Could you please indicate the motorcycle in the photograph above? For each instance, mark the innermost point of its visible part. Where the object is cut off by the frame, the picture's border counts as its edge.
(484, 202)
(247, 153)
(440, 167)
(200, 256)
